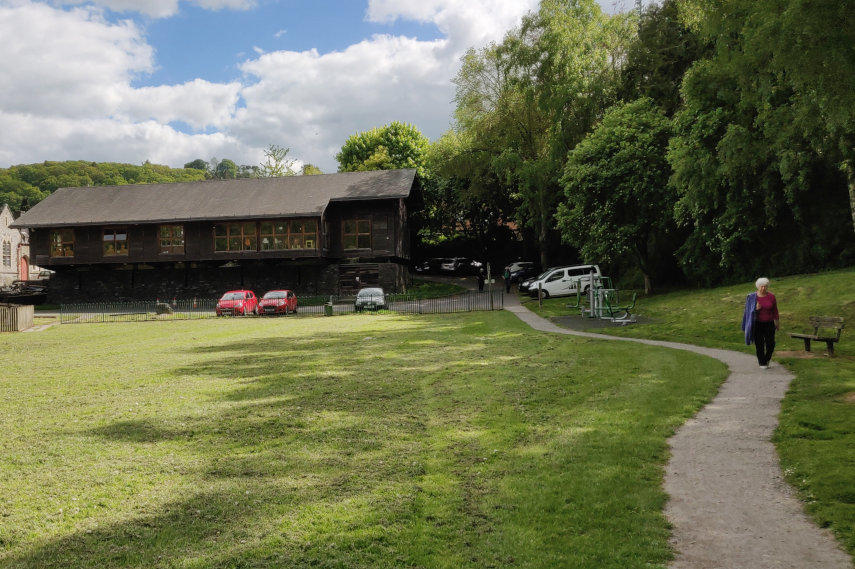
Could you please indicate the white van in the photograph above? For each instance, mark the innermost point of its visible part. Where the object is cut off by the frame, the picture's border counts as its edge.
(564, 281)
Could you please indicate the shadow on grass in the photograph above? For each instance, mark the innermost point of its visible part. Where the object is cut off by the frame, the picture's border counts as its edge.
(435, 444)
(297, 436)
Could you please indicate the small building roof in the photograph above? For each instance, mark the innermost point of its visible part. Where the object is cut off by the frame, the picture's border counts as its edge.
(288, 196)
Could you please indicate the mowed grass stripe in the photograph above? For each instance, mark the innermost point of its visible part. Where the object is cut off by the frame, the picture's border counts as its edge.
(449, 441)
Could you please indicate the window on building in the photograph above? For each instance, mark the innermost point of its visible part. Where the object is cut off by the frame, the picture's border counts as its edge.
(171, 239)
(356, 234)
(7, 253)
(115, 242)
(289, 234)
(62, 243)
(235, 237)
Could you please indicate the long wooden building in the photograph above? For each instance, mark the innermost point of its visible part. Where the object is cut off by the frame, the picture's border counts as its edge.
(322, 234)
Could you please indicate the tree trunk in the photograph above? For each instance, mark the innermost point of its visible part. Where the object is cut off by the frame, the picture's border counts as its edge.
(543, 230)
(850, 180)
(648, 284)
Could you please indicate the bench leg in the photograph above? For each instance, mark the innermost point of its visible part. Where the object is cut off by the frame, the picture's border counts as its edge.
(807, 344)
(830, 347)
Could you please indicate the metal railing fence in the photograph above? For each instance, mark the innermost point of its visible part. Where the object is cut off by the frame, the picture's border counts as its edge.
(191, 309)
(136, 311)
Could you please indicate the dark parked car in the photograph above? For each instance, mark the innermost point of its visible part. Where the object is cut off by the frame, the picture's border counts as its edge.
(237, 303)
(461, 266)
(522, 271)
(372, 298)
(430, 266)
(278, 302)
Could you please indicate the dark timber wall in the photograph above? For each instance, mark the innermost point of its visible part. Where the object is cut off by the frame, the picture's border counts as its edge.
(142, 282)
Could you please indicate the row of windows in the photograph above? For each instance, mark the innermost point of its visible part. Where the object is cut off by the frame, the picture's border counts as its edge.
(7, 253)
(228, 237)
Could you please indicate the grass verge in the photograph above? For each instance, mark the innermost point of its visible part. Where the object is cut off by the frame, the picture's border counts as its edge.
(816, 433)
(391, 441)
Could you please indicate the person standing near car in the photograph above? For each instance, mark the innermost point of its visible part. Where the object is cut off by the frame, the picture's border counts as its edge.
(760, 321)
(481, 279)
(507, 277)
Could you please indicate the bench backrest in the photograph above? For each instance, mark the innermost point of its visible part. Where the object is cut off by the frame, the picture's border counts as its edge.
(833, 324)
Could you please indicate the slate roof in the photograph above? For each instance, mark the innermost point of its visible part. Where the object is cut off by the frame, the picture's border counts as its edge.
(289, 196)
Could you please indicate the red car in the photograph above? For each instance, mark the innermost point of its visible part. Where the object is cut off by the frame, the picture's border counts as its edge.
(278, 302)
(237, 303)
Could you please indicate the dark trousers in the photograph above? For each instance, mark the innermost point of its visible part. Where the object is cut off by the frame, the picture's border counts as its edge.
(764, 341)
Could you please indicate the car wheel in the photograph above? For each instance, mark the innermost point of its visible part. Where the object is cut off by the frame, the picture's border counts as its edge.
(544, 294)
(294, 310)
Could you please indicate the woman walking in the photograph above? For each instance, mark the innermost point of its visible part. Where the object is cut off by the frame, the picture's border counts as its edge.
(760, 321)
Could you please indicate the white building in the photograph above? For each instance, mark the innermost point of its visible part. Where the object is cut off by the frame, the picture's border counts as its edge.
(14, 250)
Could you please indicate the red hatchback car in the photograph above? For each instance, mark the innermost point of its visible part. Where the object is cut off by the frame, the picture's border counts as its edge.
(237, 303)
(278, 302)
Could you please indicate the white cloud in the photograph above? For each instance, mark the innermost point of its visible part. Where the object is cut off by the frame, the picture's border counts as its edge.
(199, 103)
(312, 102)
(72, 97)
(66, 63)
(159, 8)
(110, 140)
(466, 24)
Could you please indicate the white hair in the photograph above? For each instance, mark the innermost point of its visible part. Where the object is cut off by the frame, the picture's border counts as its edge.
(762, 281)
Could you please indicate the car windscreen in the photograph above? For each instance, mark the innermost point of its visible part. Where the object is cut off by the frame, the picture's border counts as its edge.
(233, 296)
(275, 294)
(370, 292)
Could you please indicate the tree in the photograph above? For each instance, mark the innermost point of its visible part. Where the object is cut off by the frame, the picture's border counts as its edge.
(225, 169)
(310, 170)
(396, 145)
(618, 201)
(526, 102)
(755, 169)
(197, 164)
(277, 163)
(463, 197)
(665, 49)
(24, 186)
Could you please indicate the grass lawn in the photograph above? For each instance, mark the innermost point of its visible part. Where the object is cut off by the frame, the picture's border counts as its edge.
(816, 436)
(463, 440)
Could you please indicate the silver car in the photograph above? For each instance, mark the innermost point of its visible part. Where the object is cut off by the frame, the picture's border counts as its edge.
(372, 298)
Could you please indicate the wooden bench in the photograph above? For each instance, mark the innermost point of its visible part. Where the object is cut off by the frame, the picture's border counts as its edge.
(825, 329)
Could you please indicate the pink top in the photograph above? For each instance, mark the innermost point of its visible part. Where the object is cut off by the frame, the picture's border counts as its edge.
(767, 308)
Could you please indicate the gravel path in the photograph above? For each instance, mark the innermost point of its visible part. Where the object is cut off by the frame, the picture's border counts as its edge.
(729, 505)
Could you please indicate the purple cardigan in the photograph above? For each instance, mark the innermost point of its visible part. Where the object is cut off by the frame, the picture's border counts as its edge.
(748, 317)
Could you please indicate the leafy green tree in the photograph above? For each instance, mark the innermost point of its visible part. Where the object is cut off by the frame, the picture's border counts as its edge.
(758, 176)
(656, 61)
(618, 201)
(310, 170)
(276, 163)
(396, 145)
(197, 164)
(526, 102)
(226, 170)
(463, 197)
(27, 184)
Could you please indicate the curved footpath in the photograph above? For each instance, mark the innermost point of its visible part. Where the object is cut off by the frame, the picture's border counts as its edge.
(729, 505)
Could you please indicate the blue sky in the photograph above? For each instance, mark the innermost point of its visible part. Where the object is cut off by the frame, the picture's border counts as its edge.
(171, 81)
(221, 43)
